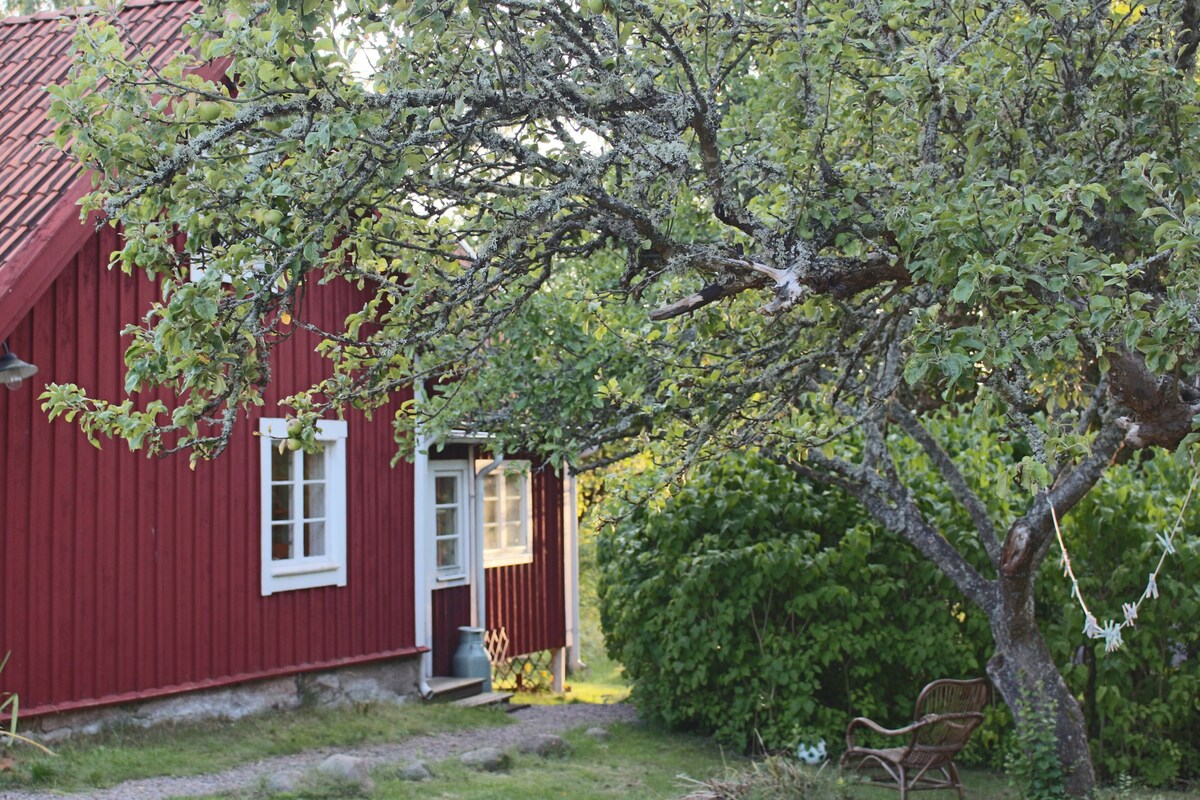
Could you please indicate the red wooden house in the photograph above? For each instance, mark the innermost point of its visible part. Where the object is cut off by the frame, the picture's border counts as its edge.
(126, 579)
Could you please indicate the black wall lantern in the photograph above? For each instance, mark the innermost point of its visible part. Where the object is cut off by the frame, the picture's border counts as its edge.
(14, 371)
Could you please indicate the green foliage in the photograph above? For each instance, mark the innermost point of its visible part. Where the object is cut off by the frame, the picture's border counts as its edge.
(1141, 703)
(607, 163)
(760, 609)
(942, 208)
(993, 741)
(1034, 767)
(10, 706)
(752, 587)
(17, 7)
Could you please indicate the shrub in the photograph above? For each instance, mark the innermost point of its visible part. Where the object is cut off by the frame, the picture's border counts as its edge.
(1140, 703)
(761, 609)
(1034, 767)
(752, 604)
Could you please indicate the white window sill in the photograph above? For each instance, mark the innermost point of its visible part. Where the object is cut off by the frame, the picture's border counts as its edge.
(290, 577)
(506, 559)
(308, 568)
(458, 576)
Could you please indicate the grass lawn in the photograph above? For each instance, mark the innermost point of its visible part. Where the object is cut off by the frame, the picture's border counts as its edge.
(635, 762)
(978, 785)
(985, 785)
(785, 780)
(128, 753)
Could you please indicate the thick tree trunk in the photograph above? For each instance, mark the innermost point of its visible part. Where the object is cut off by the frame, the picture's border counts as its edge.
(1026, 676)
(1022, 668)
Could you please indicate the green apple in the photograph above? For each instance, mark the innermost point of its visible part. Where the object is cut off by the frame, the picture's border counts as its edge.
(302, 71)
(272, 217)
(208, 110)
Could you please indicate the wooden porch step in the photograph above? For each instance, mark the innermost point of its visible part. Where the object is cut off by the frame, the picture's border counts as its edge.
(485, 699)
(447, 689)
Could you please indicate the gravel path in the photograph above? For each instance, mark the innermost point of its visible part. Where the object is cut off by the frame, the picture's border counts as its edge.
(435, 747)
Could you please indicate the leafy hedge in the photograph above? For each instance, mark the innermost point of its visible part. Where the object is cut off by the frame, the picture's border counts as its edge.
(1142, 703)
(766, 611)
(763, 610)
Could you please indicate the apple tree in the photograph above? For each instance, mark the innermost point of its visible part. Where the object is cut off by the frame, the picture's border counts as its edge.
(799, 226)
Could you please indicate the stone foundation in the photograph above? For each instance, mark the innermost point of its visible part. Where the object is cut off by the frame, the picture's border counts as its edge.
(392, 681)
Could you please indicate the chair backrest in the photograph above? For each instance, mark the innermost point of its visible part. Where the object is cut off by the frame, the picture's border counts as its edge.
(958, 709)
(952, 697)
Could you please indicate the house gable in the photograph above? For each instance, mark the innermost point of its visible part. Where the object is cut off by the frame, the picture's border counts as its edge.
(39, 185)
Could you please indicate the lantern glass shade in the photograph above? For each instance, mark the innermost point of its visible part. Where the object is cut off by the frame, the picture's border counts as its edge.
(14, 371)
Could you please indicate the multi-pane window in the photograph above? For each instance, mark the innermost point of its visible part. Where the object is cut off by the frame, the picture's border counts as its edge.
(298, 509)
(304, 509)
(506, 514)
(450, 520)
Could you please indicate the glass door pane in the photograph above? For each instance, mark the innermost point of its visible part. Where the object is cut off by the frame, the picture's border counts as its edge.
(450, 520)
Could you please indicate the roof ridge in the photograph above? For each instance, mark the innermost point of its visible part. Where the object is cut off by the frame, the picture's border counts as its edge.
(69, 13)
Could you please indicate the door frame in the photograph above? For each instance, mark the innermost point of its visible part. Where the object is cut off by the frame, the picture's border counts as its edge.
(425, 470)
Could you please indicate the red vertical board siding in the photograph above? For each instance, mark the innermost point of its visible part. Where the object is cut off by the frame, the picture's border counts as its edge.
(44, 638)
(108, 460)
(527, 600)
(17, 607)
(451, 608)
(125, 575)
(86, 561)
(62, 461)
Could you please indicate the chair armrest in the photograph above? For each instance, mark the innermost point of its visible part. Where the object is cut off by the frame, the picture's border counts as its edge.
(863, 722)
(928, 719)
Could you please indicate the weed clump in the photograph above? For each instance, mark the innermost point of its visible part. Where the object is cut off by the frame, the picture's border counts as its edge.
(776, 778)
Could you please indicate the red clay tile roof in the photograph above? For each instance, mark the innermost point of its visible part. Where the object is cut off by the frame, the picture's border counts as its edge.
(35, 52)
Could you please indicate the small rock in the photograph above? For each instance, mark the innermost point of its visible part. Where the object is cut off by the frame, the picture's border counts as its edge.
(545, 745)
(599, 734)
(349, 769)
(416, 771)
(486, 759)
(288, 780)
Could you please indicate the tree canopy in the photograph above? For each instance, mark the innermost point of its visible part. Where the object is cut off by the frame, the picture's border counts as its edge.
(15, 7)
(799, 227)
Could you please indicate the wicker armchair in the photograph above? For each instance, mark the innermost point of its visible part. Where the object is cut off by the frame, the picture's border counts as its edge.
(946, 714)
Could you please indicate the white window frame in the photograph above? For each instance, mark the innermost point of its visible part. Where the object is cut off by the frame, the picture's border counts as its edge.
(523, 553)
(198, 268)
(310, 572)
(462, 573)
